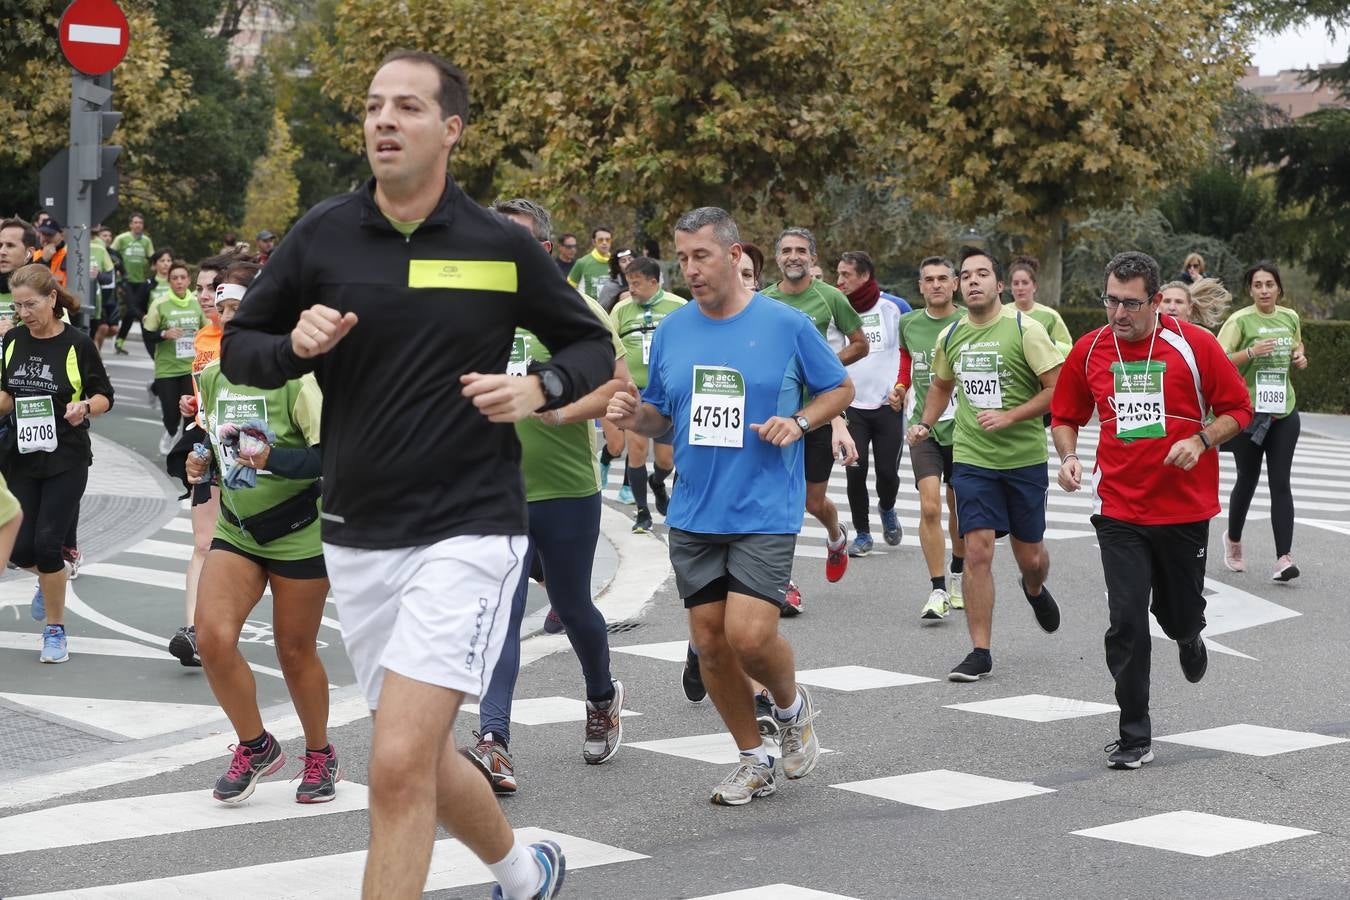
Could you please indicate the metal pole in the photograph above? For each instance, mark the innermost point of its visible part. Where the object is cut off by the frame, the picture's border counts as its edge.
(86, 98)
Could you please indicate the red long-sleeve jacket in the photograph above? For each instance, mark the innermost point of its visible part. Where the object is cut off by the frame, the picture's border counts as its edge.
(1129, 480)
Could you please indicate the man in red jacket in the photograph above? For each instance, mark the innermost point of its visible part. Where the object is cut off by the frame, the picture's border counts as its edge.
(1152, 381)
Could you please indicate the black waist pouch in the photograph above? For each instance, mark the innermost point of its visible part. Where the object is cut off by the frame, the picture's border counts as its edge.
(285, 518)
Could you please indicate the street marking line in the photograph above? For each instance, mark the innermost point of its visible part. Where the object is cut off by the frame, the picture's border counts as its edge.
(943, 789)
(1252, 740)
(157, 761)
(1194, 833)
(77, 606)
(12, 640)
(127, 818)
(132, 719)
(1036, 708)
(719, 747)
(452, 866)
(155, 422)
(546, 710)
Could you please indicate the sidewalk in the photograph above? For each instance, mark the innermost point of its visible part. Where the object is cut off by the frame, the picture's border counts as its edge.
(1326, 425)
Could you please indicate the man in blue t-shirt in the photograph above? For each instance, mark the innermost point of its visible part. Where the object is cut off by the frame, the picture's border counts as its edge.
(728, 372)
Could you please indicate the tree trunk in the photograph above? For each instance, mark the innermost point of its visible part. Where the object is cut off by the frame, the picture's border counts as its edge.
(1051, 277)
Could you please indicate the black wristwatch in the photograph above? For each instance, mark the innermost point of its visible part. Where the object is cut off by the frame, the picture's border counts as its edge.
(551, 383)
(925, 426)
(803, 423)
(1204, 439)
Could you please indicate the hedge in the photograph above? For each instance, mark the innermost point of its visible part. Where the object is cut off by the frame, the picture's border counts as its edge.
(1322, 387)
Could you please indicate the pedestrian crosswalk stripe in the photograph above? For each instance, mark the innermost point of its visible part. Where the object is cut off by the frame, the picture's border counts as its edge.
(162, 549)
(130, 718)
(776, 892)
(1252, 740)
(942, 789)
(78, 644)
(337, 875)
(1194, 833)
(148, 763)
(100, 821)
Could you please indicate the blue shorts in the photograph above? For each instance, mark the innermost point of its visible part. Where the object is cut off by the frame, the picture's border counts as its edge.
(668, 437)
(1009, 501)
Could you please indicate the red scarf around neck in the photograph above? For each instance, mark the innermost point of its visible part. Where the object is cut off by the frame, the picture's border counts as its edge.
(866, 296)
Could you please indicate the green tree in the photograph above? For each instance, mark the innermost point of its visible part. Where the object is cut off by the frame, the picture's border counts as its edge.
(191, 176)
(658, 105)
(318, 123)
(1224, 202)
(1311, 162)
(1042, 111)
(273, 197)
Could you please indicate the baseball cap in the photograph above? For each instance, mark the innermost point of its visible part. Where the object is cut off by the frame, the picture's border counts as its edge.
(51, 226)
(266, 235)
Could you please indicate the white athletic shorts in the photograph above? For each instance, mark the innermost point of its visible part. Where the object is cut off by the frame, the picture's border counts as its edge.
(438, 614)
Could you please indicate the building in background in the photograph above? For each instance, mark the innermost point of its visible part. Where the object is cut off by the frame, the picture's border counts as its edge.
(1287, 92)
(258, 24)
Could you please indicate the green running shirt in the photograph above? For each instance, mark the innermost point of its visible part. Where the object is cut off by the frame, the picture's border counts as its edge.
(823, 304)
(293, 413)
(557, 461)
(1268, 380)
(635, 323)
(998, 365)
(918, 336)
(589, 273)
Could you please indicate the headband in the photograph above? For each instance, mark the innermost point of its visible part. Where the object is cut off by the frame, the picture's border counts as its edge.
(229, 292)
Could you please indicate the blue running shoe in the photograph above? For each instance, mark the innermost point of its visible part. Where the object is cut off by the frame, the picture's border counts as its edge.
(54, 645)
(626, 495)
(890, 527)
(554, 866)
(862, 545)
(38, 609)
(604, 475)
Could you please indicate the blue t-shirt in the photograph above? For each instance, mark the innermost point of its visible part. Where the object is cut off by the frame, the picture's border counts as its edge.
(756, 488)
(898, 301)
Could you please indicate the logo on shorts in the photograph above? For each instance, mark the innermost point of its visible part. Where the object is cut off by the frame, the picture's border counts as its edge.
(477, 633)
(1200, 554)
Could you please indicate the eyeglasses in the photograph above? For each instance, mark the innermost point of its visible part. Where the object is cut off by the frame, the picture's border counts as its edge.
(569, 246)
(28, 306)
(1115, 303)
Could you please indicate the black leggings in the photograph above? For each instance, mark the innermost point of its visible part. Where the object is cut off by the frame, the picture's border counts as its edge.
(883, 430)
(169, 390)
(137, 297)
(49, 506)
(1278, 449)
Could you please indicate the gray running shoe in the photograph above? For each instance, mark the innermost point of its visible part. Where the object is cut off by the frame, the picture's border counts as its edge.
(797, 740)
(604, 728)
(749, 780)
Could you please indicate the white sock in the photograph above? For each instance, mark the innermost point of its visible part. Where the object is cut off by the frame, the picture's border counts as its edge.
(519, 873)
(843, 539)
(759, 755)
(789, 713)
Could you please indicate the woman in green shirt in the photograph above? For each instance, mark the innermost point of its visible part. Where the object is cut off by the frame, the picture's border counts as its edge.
(176, 316)
(1264, 340)
(1022, 283)
(266, 536)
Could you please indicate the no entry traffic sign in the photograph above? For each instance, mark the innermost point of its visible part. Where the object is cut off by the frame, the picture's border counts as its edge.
(94, 35)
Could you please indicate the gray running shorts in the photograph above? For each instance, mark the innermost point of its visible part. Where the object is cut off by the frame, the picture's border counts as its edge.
(709, 566)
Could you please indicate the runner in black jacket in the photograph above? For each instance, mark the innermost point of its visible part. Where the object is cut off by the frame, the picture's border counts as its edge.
(403, 298)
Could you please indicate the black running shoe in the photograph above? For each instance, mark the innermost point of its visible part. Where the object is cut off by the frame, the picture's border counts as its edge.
(246, 768)
(642, 523)
(659, 494)
(1194, 659)
(693, 678)
(1044, 606)
(319, 775)
(183, 646)
(974, 667)
(768, 725)
(1127, 757)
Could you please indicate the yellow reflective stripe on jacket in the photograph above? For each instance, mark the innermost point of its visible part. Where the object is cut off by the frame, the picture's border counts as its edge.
(462, 274)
